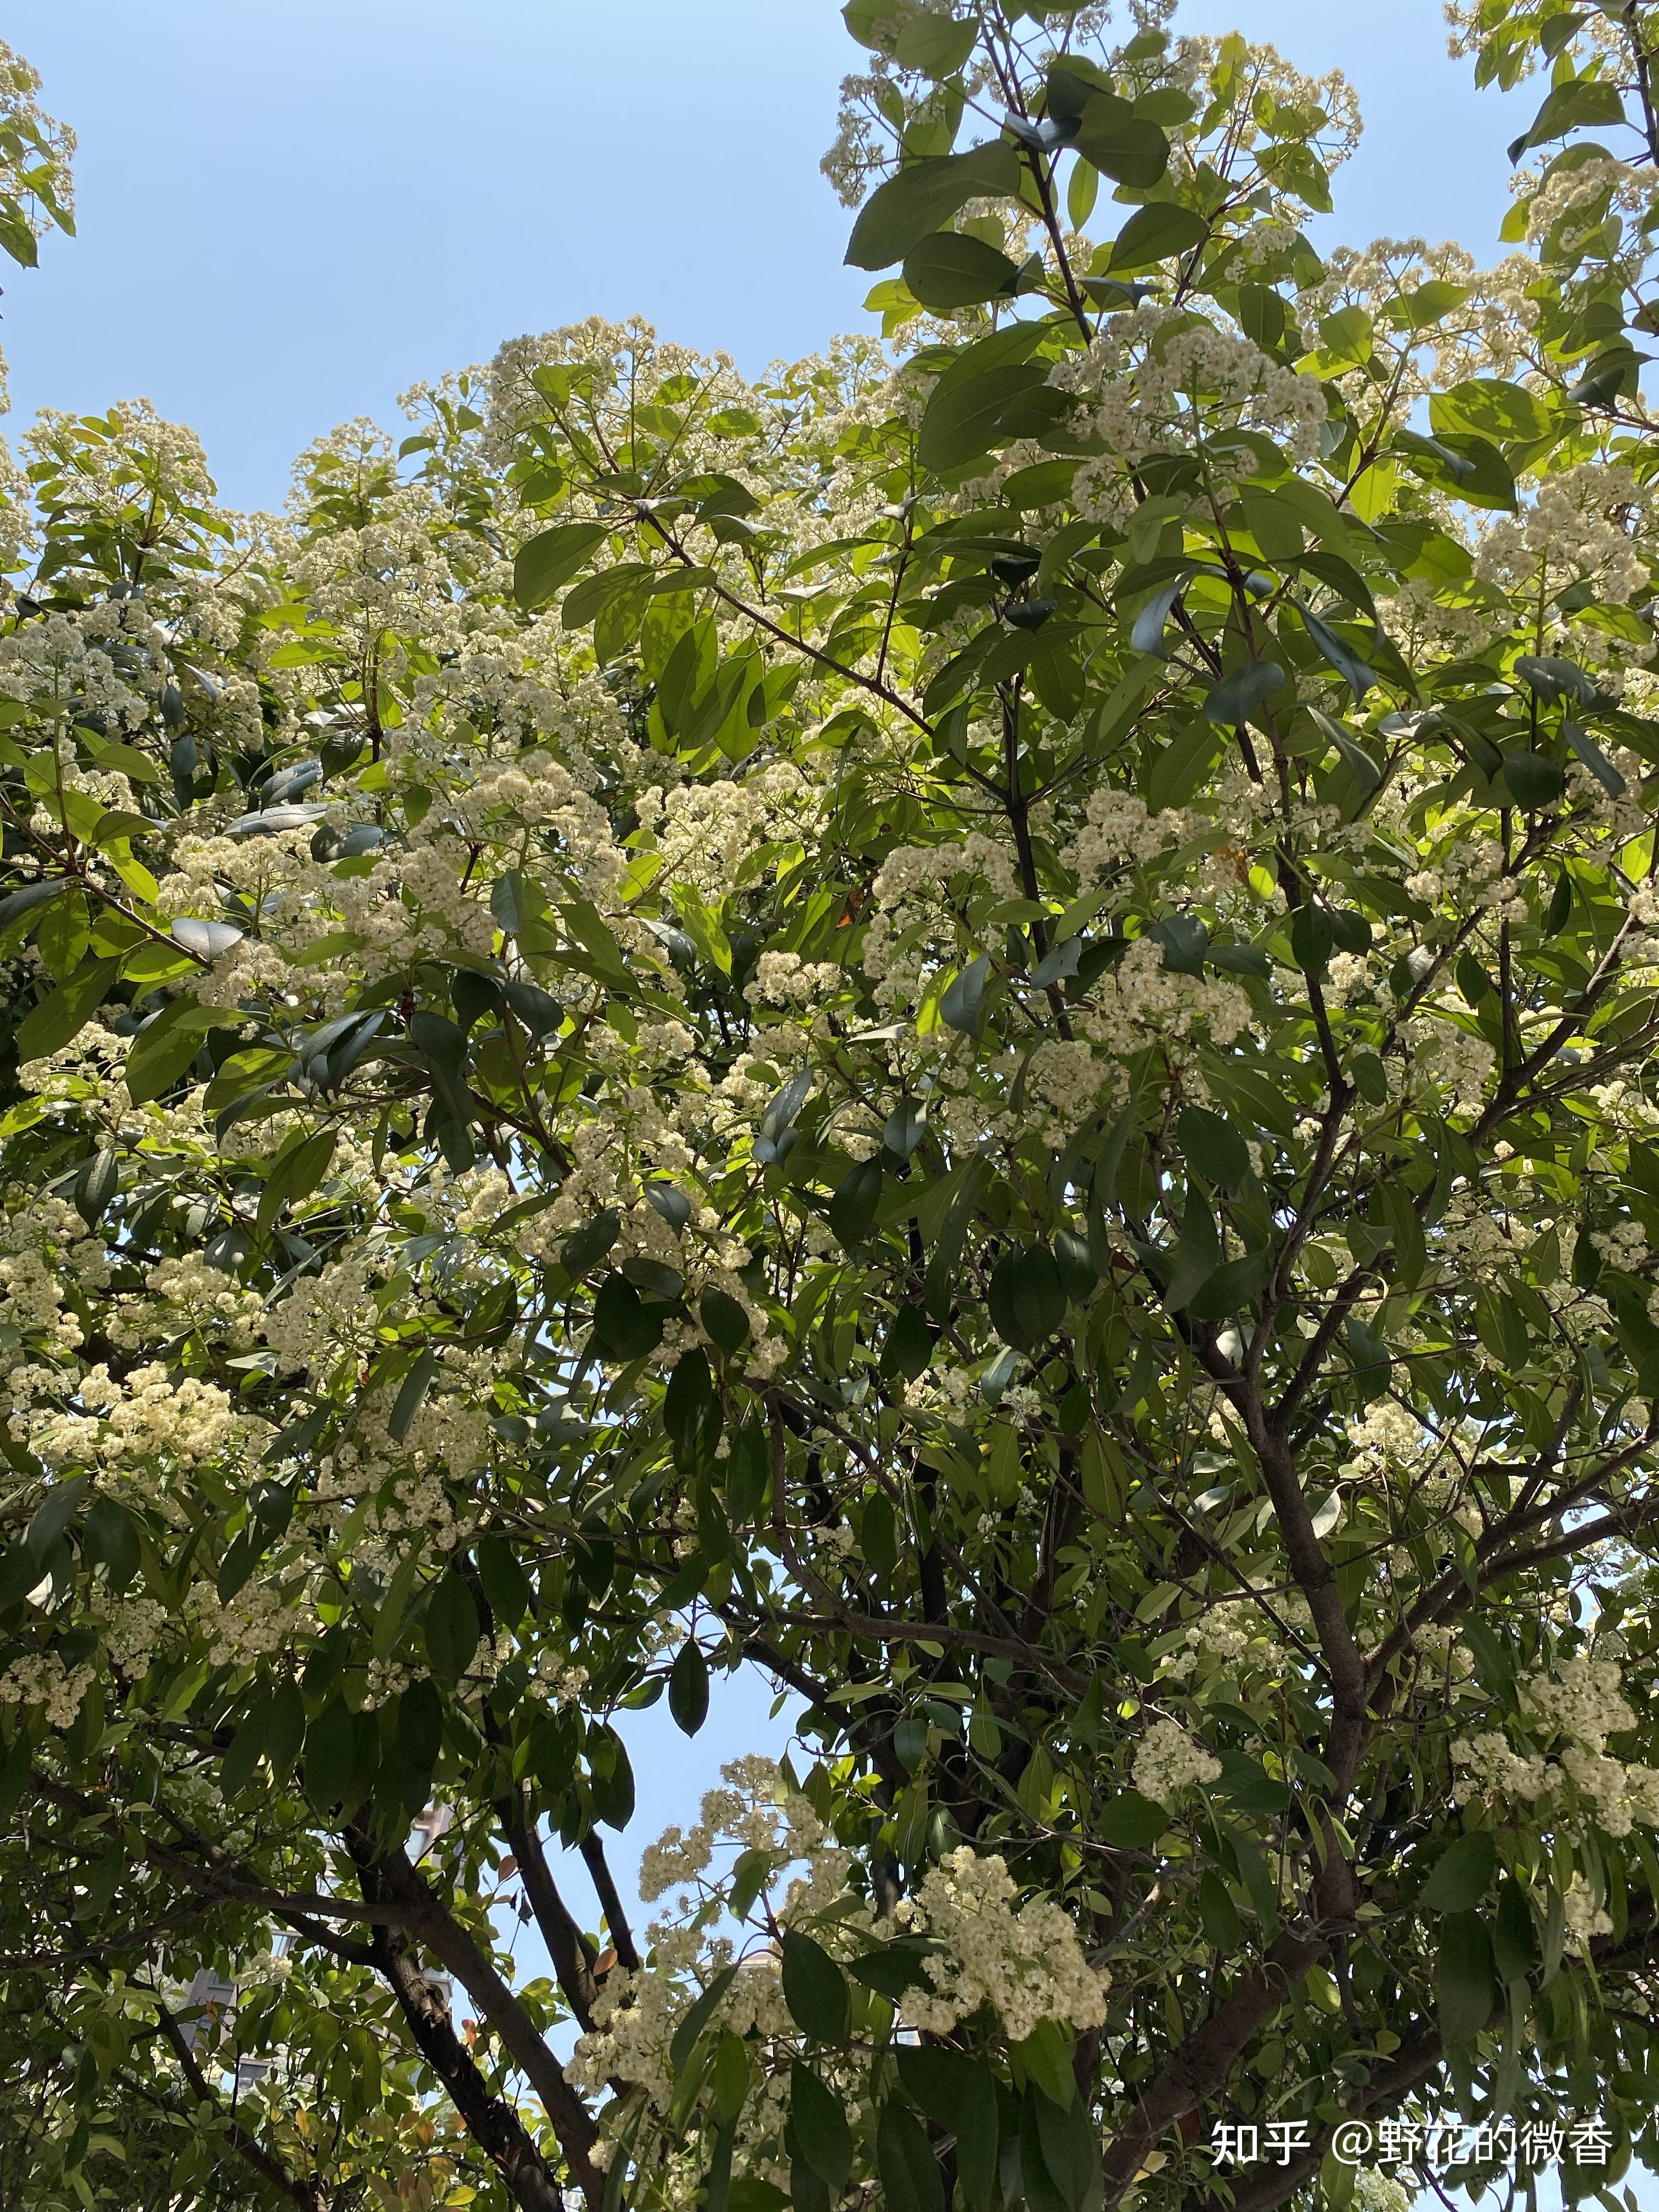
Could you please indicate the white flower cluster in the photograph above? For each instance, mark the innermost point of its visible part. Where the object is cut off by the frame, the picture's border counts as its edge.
(1575, 1705)
(1168, 1760)
(1026, 1965)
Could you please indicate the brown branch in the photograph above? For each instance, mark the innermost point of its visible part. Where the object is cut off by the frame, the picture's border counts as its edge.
(573, 1960)
(388, 1876)
(611, 1903)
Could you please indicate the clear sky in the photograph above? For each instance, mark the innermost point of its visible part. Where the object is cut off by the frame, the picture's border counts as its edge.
(288, 215)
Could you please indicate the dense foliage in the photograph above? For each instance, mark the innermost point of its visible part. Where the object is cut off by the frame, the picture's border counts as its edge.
(972, 1024)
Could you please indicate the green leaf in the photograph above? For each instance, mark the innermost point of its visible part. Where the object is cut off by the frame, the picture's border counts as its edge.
(1181, 767)
(953, 269)
(96, 1184)
(964, 420)
(15, 1775)
(165, 1048)
(452, 1628)
(938, 46)
(505, 1582)
(1535, 781)
(1218, 1915)
(1369, 1354)
(1026, 1296)
(1046, 2055)
(1236, 697)
(583, 1250)
(814, 1988)
(924, 195)
(878, 1537)
(1593, 757)
(1466, 1979)
(1067, 2147)
(726, 1321)
(749, 1875)
(819, 2121)
(552, 558)
(111, 1539)
(684, 2041)
(1428, 304)
(1461, 1874)
(62, 1014)
(1197, 1255)
(1213, 1145)
(1157, 232)
(1131, 1822)
(962, 1004)
(691, 1412)
(688, 1688)
(1148, 633)
(411, 1396)
(909, 1344)
(1514, 1938)
(893, 1968)
(1366, 774)
(331, 1755)
(1184, 940)
(909, 2172)
(625, 1327)
(1485, 407)
(1582, 103)
(959, 2094)
(1347, 664)
(1128, 147)
(852, 1210)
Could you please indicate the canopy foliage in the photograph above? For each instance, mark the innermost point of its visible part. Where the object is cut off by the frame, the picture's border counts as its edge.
(971, 1024)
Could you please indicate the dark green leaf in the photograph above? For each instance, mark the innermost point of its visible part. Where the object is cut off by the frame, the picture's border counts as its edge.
(625, 1327)
(909, 1344)
(691, 1412)
(112, 1538)
(1535, 781)
(726, 1321)
(688, 1688)
(452, 1628)
(821, 2130)
(552, 558)
(814, 1988)
(686, 2035)
(962, 1004)
(1131, 1822)
(505, 1582)
(899, 214)
(852, 1210)
(1461, 1874)
(1466, 1980)
(893, 1969)
(1236, 697)
(96, 1184)
(909, 2172)
(1157, 232)
(1197, 1255)
(1579, 104)
(62, 1014)
(1348, 666)
(584, 1250)
(411, 1396)
(1214, 1147)
(1514, 1939)
(331, 1755)
(953, 269)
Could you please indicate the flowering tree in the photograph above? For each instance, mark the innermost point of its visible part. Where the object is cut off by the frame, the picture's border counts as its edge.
(975, 1031)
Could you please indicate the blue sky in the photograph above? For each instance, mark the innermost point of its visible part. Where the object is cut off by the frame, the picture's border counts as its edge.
(289, 215)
